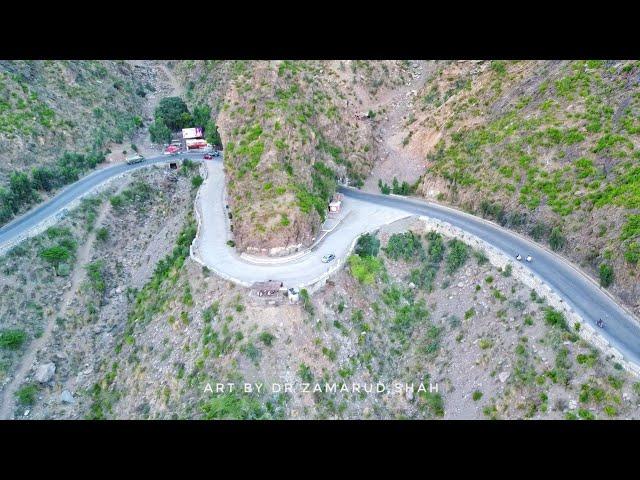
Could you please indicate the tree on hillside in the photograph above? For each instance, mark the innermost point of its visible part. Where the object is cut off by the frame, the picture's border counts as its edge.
(201, 115)
(6, 210)
(22, 192)
(173, 112)
(55, 255)
(368, 245)
(43, 178)
(606, 275)
(159, 132)
(211, 134)
(556, 240)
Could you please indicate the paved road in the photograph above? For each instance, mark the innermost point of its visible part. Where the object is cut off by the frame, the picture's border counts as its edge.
(14, 229)
(368, 211)
(212, 249)
(583, 295)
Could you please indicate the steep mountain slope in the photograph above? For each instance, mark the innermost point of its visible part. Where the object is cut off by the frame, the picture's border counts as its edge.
(135, 329)
(47, 107)
(73, 284)
(547, 148)
(291, 129)
(52, 108)
(144, 343)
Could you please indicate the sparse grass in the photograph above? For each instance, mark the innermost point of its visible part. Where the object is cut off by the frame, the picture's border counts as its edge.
(480, 257)
(26, 395)
(307, 304)
(267, 338)
(12, 339)
(252, 352)
(555, 318)
(96, 276)
(431, 402)
(102, 234)
(196, 181)
(210, 312)
(240, 406)
(305, 374)
(137, 196)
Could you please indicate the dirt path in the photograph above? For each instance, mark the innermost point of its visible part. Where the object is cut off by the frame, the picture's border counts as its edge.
(28, 362)
(166, 85)
(395, 160)
(173, 81)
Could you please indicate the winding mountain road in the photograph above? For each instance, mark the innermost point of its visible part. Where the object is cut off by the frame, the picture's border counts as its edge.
(368, 211)
(15, 229)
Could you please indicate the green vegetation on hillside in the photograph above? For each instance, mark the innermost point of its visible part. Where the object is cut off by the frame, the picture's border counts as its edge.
(49, 107)
(12, 339)
(367, 245)
(172, 115)
(564, 150)
(286, 144)
(23, 190)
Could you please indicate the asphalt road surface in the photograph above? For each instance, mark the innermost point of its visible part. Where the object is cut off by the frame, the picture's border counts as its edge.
(70, 193)
(582, 294)
(369, 210)
(212, 249)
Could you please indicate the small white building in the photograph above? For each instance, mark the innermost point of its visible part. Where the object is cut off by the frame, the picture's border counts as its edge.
(293, 294)
(335, 205)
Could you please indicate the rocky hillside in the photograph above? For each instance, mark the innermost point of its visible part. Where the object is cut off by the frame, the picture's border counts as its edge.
(52, 108)
(548, 148)
(48, 107)
(145, 343)
(66, 292)
(291, 130)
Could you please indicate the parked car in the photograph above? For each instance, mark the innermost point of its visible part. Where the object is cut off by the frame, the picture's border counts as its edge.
(216, 153)
(328, 258)
(208, 156)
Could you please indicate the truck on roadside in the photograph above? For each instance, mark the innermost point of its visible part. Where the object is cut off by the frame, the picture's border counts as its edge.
(135, 159)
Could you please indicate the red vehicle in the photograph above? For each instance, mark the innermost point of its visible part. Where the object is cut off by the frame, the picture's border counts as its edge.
(208, 156)
(172, 150)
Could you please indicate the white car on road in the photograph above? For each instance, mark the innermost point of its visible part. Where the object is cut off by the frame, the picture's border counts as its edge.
(328, 258)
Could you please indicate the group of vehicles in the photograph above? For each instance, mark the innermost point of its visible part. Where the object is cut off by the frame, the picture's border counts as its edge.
(519, 258)
(176, 150)
(599, 322)
(140, 158)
